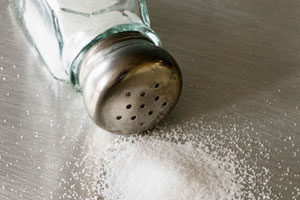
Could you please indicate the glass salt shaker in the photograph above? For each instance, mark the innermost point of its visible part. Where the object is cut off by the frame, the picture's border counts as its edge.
(108, 51)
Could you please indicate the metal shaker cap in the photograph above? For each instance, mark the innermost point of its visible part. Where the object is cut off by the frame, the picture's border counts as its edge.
(128, 83)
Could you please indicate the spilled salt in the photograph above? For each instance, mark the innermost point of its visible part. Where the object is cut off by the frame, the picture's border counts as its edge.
(192, 161)
(153, 169)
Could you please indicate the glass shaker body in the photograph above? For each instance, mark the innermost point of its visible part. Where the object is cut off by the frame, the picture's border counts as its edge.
(62, 31)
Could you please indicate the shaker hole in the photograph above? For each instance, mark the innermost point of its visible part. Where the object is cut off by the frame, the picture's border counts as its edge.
(127, 94)
(133, 118)
(128, 106)
(164, 104)
(119, 117)
(157, 98)
(150, 113)
(142, 123)
(143, 106)
(143, 94)
(156, 85)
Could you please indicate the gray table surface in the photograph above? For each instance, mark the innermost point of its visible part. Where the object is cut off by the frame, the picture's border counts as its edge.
(240, 62)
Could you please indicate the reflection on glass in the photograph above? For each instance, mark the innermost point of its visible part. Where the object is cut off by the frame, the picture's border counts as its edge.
(63, 30)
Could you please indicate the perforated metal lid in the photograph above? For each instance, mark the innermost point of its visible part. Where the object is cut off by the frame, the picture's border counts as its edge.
(128, 83)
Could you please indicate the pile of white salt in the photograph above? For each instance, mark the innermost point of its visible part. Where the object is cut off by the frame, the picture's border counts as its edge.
(154, 169)
(170, 163)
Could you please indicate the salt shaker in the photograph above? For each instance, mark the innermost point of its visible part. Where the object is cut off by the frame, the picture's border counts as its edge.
(109, 53)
